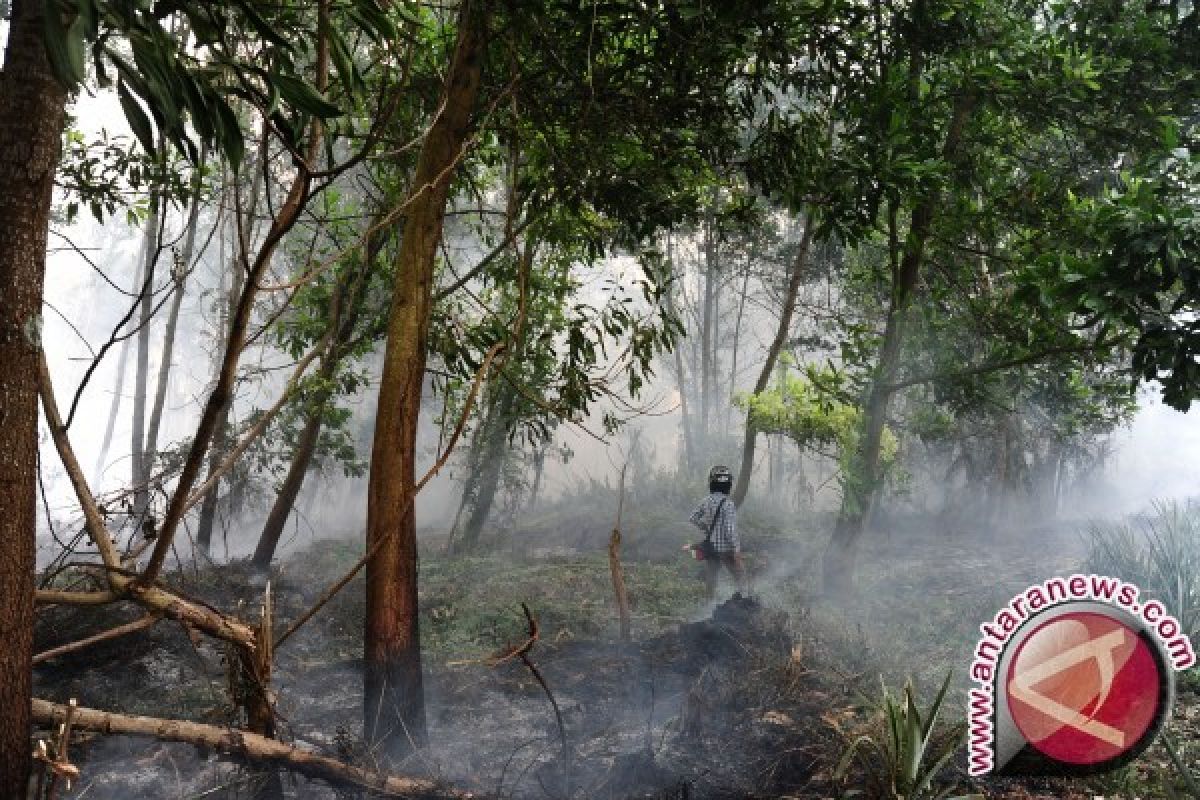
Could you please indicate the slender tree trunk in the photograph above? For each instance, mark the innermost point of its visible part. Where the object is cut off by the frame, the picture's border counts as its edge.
(539, 465)
(150, 251)
(799, 265)
(861, 487)
(394, 703)
(347, 305)
(31, 123)
(706, 328)
(115, 406)
(208, 509)
(689, 446)
(183, 263)
(489, 468)
(737, 340)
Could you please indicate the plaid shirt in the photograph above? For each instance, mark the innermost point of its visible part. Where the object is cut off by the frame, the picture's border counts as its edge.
(724, 533)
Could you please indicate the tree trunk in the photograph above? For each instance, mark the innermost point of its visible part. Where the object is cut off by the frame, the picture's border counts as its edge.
(285, 501)
(799, 263)
(689, 447)
(183, 263)
(860, 487)
(489, 469)
(347, 304)
(150, 251)
(208, 509)
(737, 341)
(31, 122)
(539, 466)
(394, 704)
(706, 328)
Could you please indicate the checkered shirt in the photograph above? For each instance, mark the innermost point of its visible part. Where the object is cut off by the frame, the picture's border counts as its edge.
(724, 533)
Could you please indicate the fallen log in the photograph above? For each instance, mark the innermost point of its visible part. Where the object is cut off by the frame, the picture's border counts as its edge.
(248, 746)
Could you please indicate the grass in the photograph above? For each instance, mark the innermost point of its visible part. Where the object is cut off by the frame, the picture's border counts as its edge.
(922, 596)
(1159, 552)
(470, 606)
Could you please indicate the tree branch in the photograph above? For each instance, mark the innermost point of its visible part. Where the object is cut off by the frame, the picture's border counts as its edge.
(248, 746)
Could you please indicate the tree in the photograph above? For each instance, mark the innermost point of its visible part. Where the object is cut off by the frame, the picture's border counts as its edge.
(394, 703)
(32, 107)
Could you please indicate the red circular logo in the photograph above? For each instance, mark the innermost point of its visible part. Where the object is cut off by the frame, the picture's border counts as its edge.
(1084, 688)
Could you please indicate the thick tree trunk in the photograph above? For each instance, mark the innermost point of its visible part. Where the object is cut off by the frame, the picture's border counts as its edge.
(861, 486)
(394, 704)
(31, 122)
(799, 265)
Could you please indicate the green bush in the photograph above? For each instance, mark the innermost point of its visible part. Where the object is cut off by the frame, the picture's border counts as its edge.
(904, 758)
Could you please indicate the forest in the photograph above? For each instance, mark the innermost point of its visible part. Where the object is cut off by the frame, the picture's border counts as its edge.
(363, 364)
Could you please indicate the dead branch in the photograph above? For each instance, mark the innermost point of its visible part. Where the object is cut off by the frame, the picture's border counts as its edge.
(522, 652)
(338, 585)
(614, 564)
(94, 520)
(103, 636)
(50, 597)
(121, 583)
(55, 757)
(244, 745)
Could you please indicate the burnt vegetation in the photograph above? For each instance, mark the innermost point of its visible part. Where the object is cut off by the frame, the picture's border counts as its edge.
(361, 363)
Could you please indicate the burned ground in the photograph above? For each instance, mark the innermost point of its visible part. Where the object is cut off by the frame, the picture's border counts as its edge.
(745, 700)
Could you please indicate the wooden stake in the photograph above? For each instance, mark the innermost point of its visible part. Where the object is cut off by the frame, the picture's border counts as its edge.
(614, 565)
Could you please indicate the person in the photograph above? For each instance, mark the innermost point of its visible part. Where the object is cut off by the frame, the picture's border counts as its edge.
(717, 517)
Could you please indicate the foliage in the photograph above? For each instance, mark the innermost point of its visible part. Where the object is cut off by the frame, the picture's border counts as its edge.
(1159, 552)
(241, 51)
(812, 409)
(1146, 229)
(904, 760)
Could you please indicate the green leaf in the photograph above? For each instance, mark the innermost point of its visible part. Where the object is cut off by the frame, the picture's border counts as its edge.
(64, 47)
(303, 97)
(229, 133)
(138, 121)
(262, 26)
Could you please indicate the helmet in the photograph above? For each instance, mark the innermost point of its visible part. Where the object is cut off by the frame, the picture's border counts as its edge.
(720, 479)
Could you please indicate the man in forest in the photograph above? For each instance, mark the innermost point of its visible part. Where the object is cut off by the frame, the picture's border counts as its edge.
(717, 517)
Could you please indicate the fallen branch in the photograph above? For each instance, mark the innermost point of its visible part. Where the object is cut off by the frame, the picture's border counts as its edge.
(121, 584)
(241, 744)
(103, 636)
(50, 597)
